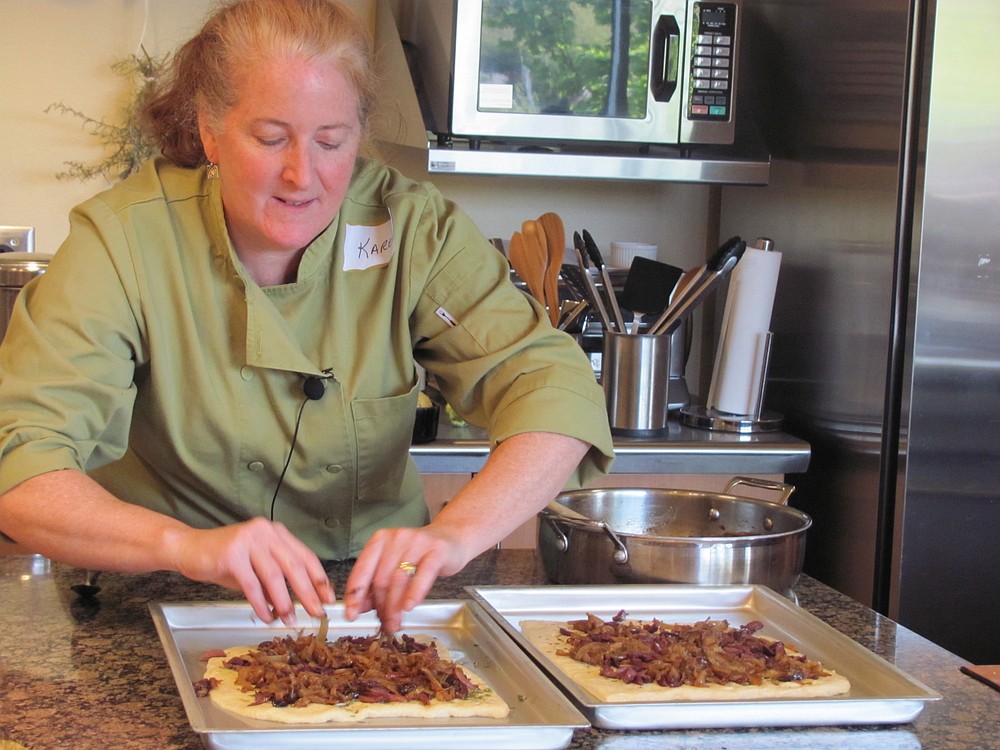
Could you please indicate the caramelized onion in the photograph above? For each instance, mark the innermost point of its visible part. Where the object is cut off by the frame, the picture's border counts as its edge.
(704, 653)
(303, 670)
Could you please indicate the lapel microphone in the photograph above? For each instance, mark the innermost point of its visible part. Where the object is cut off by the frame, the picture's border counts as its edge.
(313, 388)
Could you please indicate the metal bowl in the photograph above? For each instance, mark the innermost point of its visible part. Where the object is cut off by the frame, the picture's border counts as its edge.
(644, 535)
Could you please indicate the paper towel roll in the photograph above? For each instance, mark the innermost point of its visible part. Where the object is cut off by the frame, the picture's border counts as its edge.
(739, 359)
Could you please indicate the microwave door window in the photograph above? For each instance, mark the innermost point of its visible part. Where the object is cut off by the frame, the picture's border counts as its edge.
(583, 58)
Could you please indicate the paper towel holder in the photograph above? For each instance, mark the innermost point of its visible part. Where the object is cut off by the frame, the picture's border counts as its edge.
(759, 420)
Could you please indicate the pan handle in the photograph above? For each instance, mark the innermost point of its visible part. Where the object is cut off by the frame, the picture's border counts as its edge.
(786, 490)
(562, 541)
(556, 513)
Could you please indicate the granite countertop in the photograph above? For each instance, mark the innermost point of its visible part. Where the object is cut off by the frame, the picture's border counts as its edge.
(93, 675)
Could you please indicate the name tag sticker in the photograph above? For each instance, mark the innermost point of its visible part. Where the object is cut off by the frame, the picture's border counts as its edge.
(368, 246)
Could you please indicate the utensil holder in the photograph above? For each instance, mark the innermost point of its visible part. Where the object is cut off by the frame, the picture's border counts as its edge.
(635, 373)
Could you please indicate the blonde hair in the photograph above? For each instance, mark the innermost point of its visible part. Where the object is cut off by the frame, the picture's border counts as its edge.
(203, 75)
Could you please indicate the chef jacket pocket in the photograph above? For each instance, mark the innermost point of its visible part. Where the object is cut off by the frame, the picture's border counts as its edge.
(384, 427)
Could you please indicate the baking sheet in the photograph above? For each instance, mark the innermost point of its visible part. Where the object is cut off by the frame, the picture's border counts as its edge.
(540, 717)
(880, 693)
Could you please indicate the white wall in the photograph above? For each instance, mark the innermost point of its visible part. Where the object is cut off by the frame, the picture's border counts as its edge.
(62, 51)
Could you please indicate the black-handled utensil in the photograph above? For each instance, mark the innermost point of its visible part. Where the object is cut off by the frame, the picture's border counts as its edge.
(729, 248)
(609, 290)
(721, 263)
(590, 247)
(595, 296)
(581, 249)
(648, 287)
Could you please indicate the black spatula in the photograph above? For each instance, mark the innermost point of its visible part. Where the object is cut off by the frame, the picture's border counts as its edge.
(647, 288)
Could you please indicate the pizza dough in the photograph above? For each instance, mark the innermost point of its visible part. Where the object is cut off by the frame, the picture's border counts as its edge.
(545, 636)
(484, 702)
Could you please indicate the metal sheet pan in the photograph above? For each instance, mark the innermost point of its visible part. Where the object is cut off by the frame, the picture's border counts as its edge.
(541, 716)
(880, 693)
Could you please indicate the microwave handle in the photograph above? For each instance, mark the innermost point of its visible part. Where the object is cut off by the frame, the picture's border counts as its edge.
(666, 56)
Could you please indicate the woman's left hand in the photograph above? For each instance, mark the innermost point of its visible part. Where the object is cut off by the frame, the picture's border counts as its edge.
(397, 568)
(395, 571)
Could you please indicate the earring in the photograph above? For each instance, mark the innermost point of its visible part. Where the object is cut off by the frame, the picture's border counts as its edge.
(213, 171)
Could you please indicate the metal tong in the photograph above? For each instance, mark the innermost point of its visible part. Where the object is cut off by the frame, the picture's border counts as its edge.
(609, 290)
(586, 248)
(721, 263)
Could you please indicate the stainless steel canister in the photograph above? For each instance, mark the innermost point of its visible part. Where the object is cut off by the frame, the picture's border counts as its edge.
(635, 373)
(16, 270)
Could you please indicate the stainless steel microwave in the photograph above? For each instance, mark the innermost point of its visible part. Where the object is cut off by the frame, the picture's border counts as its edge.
(612, 71)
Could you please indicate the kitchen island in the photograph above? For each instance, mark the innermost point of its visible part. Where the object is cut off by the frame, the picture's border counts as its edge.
(88, 674)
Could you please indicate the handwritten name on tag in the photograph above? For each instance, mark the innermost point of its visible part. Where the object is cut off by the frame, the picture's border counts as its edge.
(368, 246)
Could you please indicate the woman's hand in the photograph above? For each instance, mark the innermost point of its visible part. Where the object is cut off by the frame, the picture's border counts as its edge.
(519, 478)
(262, 559)
(397, 568)
(66, 516)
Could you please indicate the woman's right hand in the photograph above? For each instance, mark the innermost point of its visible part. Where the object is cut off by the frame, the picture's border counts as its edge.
(262, 559)
(67, 516)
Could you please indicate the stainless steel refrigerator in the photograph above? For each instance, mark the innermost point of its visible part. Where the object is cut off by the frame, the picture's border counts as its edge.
(883, 119)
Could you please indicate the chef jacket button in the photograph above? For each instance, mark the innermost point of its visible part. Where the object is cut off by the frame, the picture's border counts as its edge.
(332, 523)
(334, 468)
(255, 465)
(246, 372)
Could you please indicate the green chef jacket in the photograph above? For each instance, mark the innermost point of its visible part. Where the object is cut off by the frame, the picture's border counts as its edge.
(147, 357)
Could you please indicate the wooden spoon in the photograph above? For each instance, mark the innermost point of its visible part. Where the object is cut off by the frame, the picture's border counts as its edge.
(525, 265)
(555, 240)
(537, 256)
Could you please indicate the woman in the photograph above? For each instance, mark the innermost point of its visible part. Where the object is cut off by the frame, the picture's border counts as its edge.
(216, 373)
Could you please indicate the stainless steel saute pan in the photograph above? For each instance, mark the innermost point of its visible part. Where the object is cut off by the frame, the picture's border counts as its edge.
(646, 535)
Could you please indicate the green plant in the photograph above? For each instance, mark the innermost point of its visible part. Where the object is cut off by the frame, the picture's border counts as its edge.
(127, 145)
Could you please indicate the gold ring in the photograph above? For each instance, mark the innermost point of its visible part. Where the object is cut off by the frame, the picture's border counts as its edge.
(409, 568)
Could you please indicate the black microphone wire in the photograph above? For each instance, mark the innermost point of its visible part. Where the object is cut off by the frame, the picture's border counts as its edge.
(291, 450)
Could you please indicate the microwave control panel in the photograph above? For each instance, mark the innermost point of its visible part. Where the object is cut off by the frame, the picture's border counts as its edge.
(711, 76)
